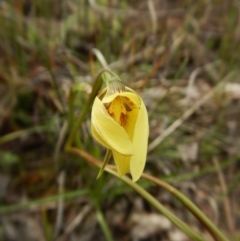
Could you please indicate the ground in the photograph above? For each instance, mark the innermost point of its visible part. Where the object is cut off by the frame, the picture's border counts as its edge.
(182, 57)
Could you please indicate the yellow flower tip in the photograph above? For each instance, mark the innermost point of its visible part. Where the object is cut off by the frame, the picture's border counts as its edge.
(120, 123)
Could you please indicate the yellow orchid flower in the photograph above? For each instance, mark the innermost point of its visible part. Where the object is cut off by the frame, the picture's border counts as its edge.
(120, 123)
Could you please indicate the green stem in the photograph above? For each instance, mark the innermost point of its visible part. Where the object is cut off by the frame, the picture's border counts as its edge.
(71, 119)
(154, 202)
(180, 224)
(102, 221)
(216, 234)
(96, 87)
(104, 75)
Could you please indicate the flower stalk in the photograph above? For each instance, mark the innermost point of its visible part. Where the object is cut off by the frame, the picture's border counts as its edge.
(154, 202)
(212, 229)
(96, 87)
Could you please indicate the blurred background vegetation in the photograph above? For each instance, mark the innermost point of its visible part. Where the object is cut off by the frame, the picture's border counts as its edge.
(181, 56)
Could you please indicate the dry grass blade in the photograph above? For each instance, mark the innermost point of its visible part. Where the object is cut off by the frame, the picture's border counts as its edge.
(226, 201)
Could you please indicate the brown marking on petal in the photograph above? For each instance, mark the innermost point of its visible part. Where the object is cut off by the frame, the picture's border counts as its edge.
(129, 105)
(118, 109)
(123, 119)
(127, 108)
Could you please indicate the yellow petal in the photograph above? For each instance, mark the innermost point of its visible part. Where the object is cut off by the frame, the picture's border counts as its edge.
(110, 98)
(140, 141)
(122, 163)
(132, 96)
(97, 136)
(130, 124)
(111, 133)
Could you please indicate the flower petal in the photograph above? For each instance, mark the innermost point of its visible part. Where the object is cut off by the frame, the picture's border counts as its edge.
(132, 96)
(97, 136)
(140, 141)
(109, 98)
(109, 130)
(122, 163)
(131, 122)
